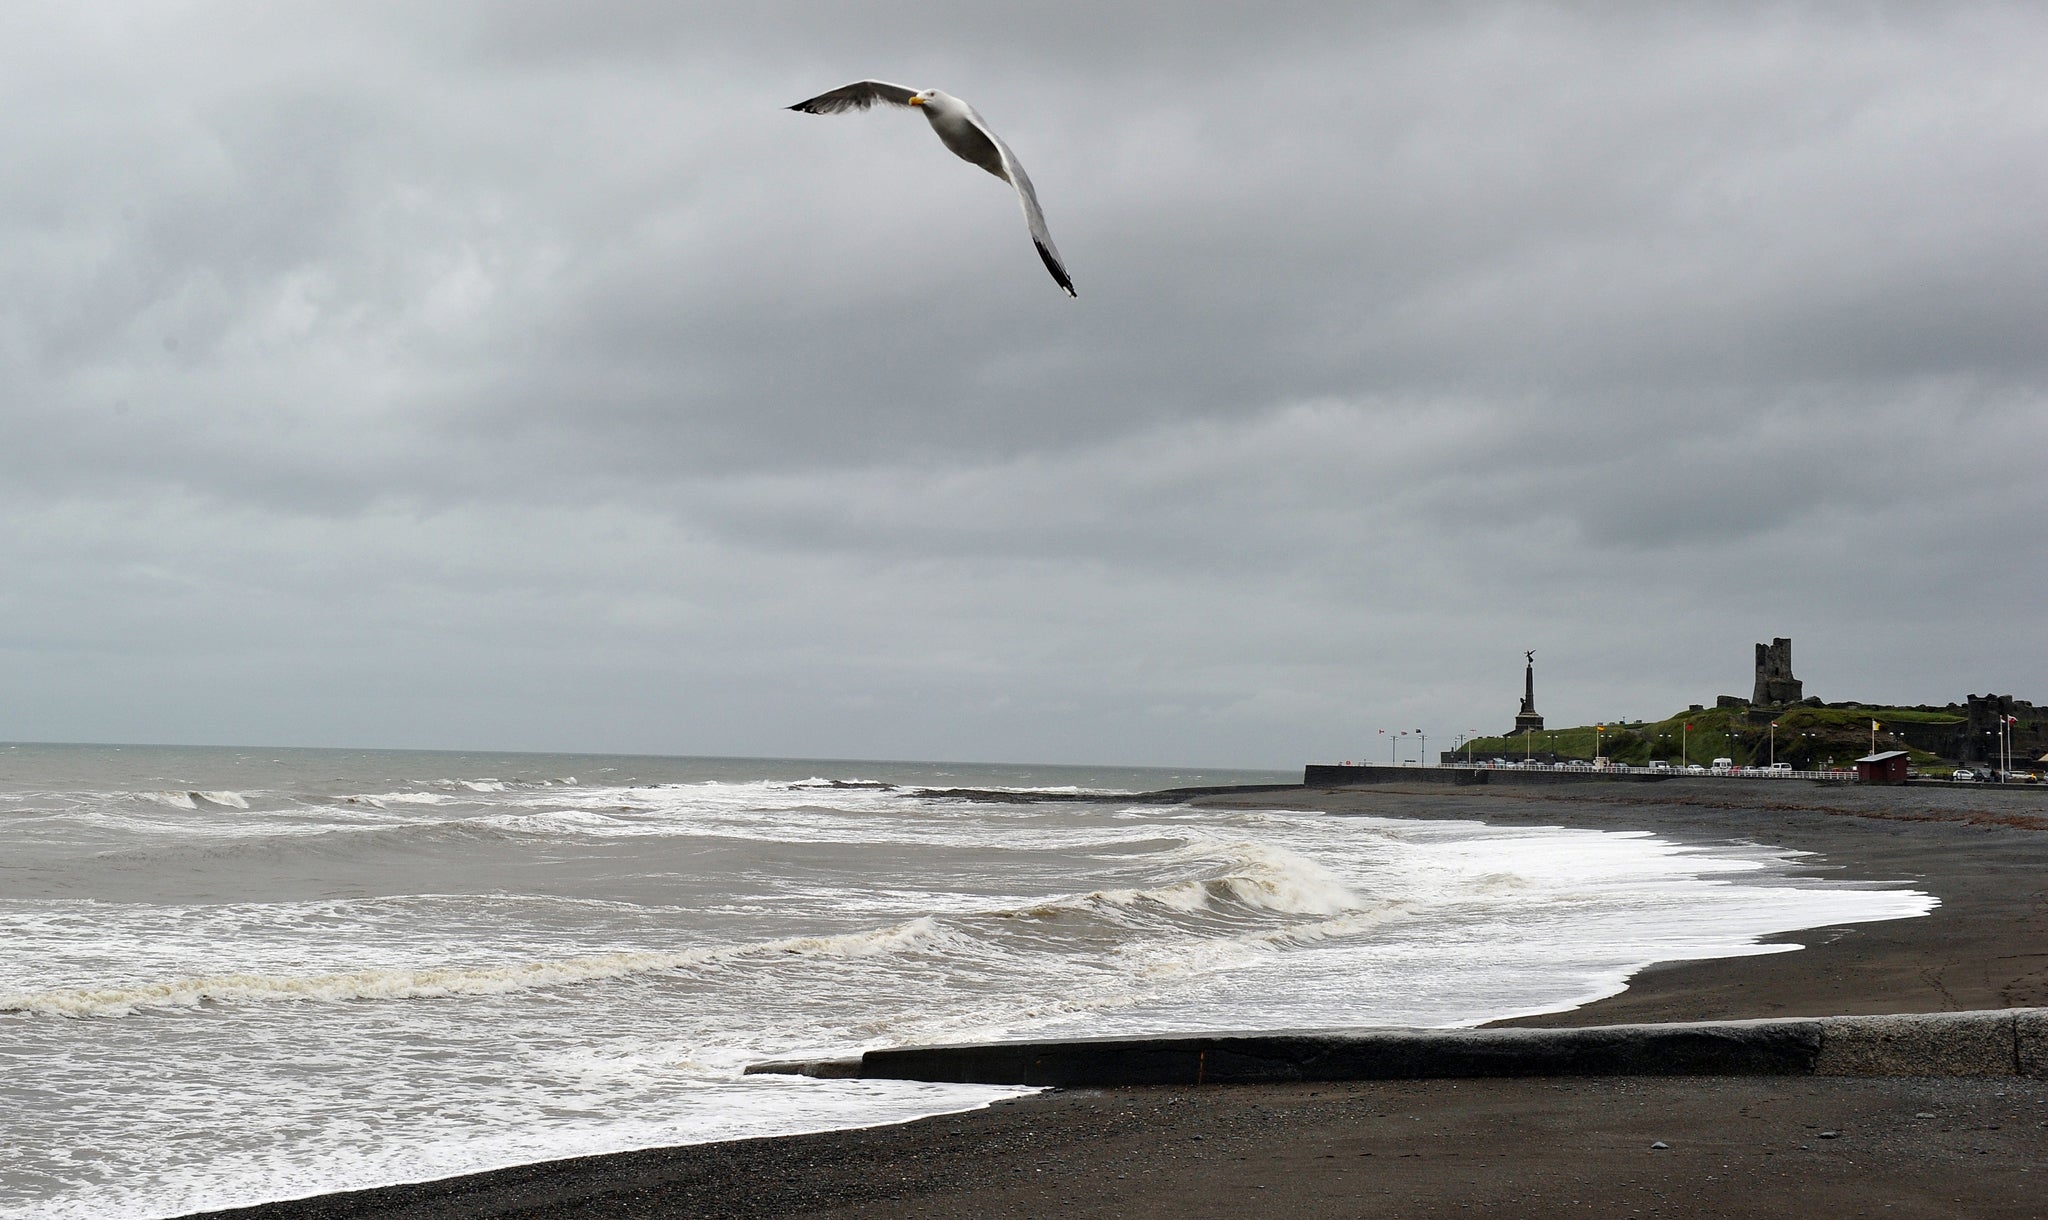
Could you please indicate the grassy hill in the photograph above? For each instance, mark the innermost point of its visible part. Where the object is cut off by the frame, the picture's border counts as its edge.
(1806, 737)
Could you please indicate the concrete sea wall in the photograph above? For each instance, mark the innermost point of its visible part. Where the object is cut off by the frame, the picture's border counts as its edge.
(2009, 1042)
(1332, 775)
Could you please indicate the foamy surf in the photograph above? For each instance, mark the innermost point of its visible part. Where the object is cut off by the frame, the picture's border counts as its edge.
(391, 967)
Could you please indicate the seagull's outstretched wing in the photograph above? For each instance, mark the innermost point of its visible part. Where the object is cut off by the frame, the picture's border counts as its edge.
(962, 129)
(1033, 218)
(859, 95)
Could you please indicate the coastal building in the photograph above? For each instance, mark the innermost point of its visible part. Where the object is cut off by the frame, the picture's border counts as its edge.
(1527, 720)
(1885, 767)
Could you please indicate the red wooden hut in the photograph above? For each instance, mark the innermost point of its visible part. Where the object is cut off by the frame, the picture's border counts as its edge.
(1887, 767)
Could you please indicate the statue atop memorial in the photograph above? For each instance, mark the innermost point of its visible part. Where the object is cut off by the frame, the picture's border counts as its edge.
(1528, 720)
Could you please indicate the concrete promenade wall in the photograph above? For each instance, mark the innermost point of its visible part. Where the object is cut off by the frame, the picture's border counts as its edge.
(2009, 1042)
(1332, 775)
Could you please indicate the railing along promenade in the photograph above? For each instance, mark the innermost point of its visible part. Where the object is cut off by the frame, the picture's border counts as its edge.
(1676, 771)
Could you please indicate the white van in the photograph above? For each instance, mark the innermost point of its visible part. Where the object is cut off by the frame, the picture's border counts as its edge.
(1723, 766)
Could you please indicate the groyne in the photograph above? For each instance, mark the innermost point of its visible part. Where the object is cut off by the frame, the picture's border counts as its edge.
(2002, 1042)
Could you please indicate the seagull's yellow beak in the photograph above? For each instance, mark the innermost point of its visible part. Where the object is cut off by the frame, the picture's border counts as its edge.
(917, 101)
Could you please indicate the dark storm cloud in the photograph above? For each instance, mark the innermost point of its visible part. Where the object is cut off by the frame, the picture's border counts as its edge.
(530, 360)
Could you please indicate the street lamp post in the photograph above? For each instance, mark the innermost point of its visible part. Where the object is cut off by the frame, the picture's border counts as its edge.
(1527, 735)
(1685, 746)
(1599, 751)
(1422, 750)
(1774, 743)
(1469, 735)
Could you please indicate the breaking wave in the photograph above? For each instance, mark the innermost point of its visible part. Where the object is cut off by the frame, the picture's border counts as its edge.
(1245, 881)
(193, 800)
(384, 800)
(1255, 877)
(436, 982)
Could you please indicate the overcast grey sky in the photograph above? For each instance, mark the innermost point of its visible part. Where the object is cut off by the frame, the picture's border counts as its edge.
(523, 376)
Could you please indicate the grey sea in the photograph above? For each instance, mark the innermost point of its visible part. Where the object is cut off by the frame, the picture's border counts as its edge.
(236, 975)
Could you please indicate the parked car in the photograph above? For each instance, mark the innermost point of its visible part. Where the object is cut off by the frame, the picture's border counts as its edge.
(1964, 775)
(1695, 769)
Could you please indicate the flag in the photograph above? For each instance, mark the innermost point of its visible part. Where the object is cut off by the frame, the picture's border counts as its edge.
(1875, 726)
(2012, 719)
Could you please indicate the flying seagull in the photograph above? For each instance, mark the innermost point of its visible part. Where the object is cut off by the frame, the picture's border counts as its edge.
(963, 131)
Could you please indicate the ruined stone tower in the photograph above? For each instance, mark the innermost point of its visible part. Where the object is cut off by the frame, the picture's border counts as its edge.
(1774, 681)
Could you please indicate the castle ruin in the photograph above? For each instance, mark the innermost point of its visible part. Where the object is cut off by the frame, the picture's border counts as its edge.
(1775, 685)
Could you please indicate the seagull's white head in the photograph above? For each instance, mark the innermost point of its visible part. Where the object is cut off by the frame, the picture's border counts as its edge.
(924, 98)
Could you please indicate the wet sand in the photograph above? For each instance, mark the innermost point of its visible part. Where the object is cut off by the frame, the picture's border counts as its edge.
(1792, 1147)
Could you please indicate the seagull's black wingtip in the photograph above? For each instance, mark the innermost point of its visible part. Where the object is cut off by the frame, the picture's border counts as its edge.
(1059, 273)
